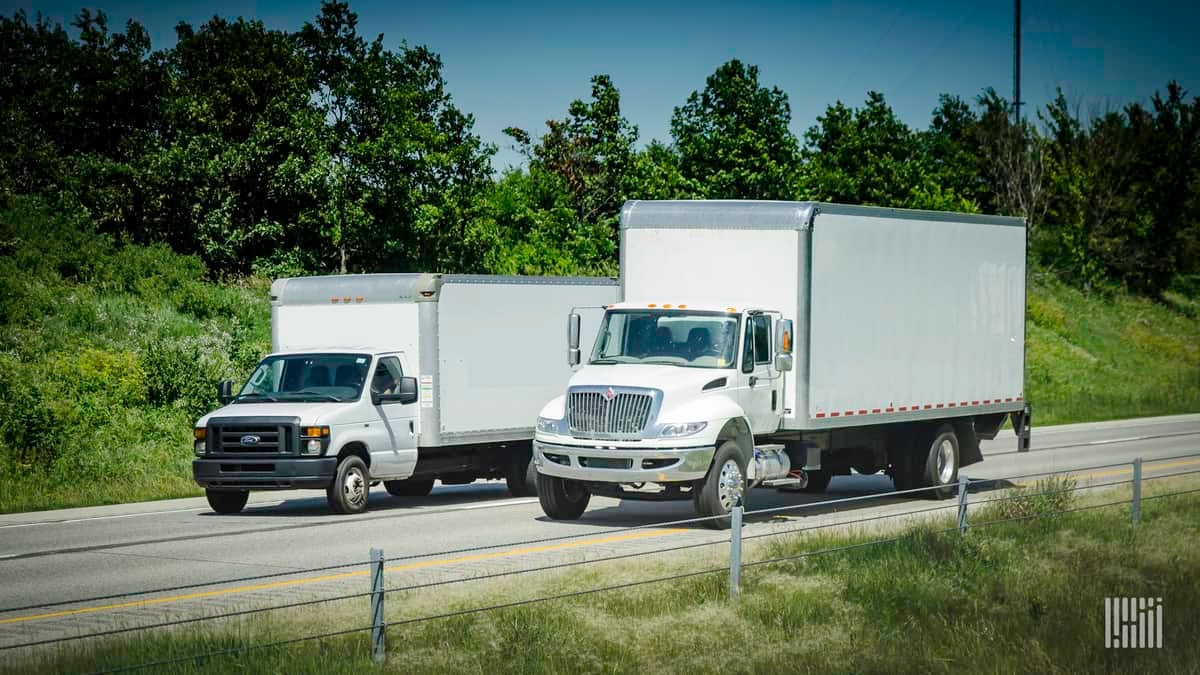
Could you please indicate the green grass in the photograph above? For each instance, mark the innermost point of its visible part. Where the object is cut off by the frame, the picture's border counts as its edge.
(1098, 357)
(1019, 597)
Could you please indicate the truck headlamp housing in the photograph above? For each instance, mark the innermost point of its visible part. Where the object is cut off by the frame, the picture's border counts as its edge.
(201, 448)
(548, 426)
(313, 440)
(682, 429)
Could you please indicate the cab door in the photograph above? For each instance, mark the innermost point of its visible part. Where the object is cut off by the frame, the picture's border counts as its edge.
(760, 388)
(397, 457)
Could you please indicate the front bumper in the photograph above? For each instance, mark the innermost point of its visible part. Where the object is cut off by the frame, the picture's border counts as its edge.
(622, 465)
(275, 473)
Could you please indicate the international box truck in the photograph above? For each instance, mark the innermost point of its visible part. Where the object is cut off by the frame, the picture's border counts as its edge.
(783, 343)
(399, 378)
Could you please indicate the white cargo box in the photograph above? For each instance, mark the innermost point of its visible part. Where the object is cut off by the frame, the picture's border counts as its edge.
(489, 350)
(899, 314)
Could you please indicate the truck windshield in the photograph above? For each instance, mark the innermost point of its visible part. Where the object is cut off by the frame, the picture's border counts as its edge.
(690, 339)
(307, 377)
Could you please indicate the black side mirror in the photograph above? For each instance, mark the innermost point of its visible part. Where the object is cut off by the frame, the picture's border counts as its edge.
(225, 391)
(406, 393)
(408, 390)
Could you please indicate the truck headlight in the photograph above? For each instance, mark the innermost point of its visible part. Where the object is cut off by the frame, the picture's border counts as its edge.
(683, 429)
(547, 426)
(313, 440)
(201, 448)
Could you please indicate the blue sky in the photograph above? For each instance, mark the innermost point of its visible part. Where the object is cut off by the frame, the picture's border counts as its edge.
(522, 63)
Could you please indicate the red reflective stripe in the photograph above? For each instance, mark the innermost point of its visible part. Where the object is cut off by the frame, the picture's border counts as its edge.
(939, 405)
(976, 402)
(927, 406)
(820, 414)
(848, 413)
(903, 408)
(988, 400)
(889, 410)
(951, 405)
(862, 412)
(833, 414)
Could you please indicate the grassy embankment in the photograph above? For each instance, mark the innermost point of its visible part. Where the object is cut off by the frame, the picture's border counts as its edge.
(109, 352)
(1022, 596)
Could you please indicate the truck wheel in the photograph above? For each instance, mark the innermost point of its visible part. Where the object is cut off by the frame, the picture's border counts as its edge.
(348, 493)
(818, 480)
(724, 486)
(562, 499)
(409, 487)
(522, 475)
(940, 469)
(227, 501)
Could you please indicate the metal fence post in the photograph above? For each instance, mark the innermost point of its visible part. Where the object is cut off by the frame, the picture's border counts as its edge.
(735, 550)
(378, 653)
(962, 504)
(1136, 509)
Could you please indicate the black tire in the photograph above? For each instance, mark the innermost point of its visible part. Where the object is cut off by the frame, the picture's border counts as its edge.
(350, 488)
(722, 487)
(522, 475)
(562, 499)
(939, 468)
(409, 487)
(227, 501)
(818, 480)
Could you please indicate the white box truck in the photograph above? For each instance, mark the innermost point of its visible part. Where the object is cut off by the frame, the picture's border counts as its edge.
(781, 343)
(400, 378)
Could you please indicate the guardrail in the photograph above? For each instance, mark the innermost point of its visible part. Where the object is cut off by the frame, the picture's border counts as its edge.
(378, 591)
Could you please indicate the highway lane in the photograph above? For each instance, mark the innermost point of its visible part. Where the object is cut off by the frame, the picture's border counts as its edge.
(65, 555)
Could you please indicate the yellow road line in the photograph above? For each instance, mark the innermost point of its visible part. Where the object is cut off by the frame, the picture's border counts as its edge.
(642, 534)
(1146, 467)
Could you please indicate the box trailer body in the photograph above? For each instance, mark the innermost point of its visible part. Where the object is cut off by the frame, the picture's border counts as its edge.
(899, 314)
(855, 337)
(480, 354)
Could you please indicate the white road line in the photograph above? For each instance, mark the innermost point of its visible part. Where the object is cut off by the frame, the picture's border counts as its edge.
(490, 505)
(9, 555)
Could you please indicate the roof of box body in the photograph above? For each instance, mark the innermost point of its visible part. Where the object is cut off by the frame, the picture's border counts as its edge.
(398, 287)
(772, 215)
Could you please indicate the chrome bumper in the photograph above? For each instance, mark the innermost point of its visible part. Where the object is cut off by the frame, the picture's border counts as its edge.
(622, 465)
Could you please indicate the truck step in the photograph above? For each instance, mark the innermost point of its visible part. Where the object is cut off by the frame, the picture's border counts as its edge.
(784, 482)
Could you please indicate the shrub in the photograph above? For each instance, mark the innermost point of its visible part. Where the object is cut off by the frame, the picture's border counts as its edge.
(1045, 499)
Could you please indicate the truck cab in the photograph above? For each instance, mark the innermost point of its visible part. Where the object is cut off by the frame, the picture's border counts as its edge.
(311, 420)
(668, 391)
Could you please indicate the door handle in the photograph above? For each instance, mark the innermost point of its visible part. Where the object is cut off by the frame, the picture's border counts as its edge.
(753, 380)
(410, 428)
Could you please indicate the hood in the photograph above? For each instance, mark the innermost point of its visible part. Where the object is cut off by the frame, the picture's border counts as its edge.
(672, 381)
(309, 412)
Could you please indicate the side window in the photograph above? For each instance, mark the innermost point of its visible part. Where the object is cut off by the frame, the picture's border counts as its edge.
(762, 339)
(748, 349)
(387, 376)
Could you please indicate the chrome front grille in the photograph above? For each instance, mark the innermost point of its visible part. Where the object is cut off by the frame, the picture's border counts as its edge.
(598, 413)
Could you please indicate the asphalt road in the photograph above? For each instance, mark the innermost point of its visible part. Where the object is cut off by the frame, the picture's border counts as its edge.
(63, 556)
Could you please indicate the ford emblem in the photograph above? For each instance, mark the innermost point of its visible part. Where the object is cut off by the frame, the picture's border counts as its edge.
(609, 394)
(251, 439)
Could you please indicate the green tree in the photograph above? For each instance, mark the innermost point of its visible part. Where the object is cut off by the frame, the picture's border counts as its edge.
(733, 137)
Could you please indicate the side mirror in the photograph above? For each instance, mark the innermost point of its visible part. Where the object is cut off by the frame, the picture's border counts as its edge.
(573, 355)
(408, 390)
(783, 345)
(225, 392)
(406, 393)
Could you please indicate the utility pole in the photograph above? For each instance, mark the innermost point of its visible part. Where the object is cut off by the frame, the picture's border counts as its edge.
(1016, 102)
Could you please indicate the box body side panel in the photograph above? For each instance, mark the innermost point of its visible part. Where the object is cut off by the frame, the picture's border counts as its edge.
(502, 354)
(909, 314)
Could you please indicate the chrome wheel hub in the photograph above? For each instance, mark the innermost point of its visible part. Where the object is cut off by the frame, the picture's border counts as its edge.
(945, 461)
(729, 484)
(354, 488)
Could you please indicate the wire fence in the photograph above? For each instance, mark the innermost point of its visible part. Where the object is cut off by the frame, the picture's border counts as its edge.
(735, 539)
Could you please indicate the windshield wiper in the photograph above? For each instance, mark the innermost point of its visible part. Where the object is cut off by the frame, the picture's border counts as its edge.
(603, 362)
(258, 397)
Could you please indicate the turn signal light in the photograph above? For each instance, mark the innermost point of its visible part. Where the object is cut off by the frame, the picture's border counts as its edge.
(200, 433)
(314, 432)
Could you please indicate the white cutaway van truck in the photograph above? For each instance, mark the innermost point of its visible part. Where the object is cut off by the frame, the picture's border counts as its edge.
(399, 378)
